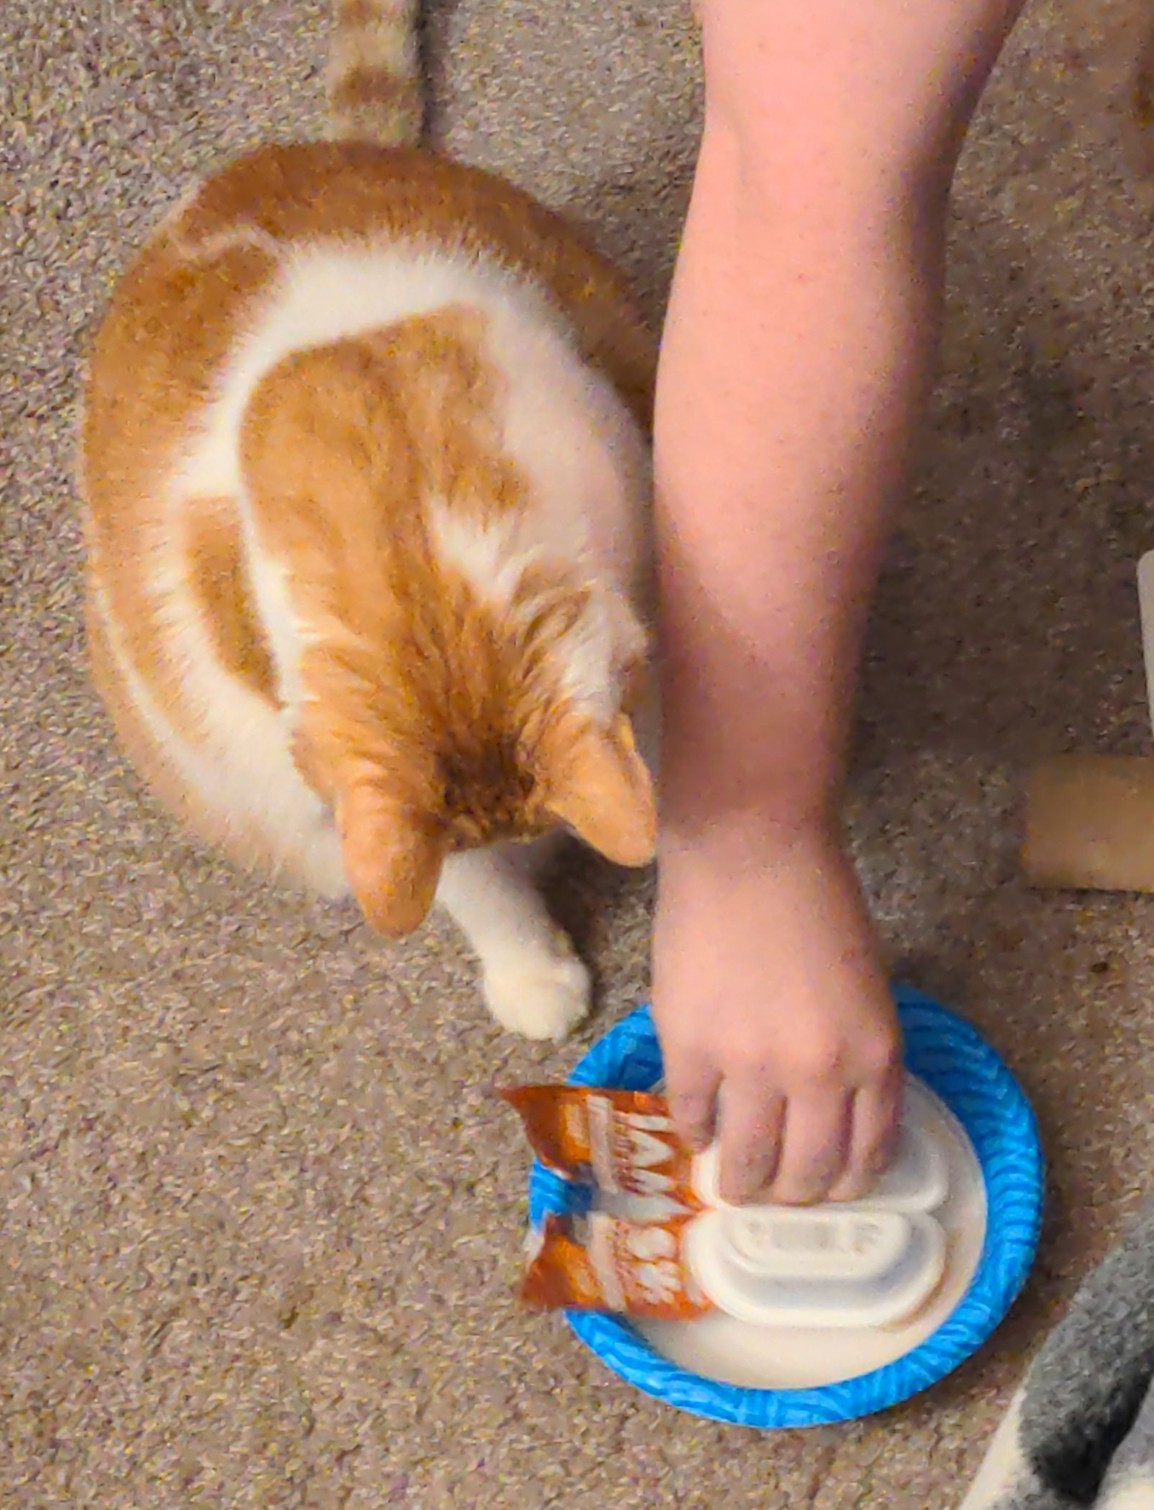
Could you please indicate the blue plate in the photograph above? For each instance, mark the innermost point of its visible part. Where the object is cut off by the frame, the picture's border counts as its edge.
(959, 1066)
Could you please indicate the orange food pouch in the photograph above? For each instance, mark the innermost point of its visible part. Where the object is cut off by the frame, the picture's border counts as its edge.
(622, 1141)
(602, 1263)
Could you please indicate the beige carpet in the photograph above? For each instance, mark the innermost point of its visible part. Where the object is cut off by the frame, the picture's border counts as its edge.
(258, 1218)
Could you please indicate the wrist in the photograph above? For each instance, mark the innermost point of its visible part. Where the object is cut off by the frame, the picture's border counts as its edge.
(729, 839)
(753, 747)
(727, 798)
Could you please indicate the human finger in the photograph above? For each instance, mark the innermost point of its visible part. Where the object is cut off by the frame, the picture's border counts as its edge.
(876, 1121)
(814, 1146)
(752, 1118)
(691, 1086)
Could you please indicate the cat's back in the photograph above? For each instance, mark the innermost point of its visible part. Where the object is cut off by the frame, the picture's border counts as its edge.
(358, 234)
(293, 247)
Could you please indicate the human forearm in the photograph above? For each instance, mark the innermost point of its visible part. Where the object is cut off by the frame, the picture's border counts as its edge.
(794, 362)
(798, 346)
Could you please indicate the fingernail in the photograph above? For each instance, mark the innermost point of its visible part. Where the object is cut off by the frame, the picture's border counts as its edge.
(849, 1190)
(737, 1192)
(797, 1195)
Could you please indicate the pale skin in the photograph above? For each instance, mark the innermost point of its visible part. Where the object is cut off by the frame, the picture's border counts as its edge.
(797, 354)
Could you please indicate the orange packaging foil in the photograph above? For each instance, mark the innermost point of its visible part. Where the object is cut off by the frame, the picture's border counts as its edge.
(603, 1263)
(621, 1141)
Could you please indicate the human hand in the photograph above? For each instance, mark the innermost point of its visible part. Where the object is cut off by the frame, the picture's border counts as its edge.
(768, 990)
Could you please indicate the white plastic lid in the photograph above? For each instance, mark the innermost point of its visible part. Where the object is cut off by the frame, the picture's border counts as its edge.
(829, 1266)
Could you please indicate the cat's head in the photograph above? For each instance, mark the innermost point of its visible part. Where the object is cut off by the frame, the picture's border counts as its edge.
(478, 725)
(459, 683)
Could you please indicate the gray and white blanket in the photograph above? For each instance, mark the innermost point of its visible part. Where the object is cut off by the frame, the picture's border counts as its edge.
(1079, 1434)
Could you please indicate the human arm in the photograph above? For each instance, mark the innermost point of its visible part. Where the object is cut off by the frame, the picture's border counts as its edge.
(796, 358)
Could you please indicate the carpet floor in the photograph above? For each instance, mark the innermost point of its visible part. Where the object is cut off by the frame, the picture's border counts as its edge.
(259, 1217)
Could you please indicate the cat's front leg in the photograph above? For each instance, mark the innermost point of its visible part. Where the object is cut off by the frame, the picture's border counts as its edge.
(534, 982)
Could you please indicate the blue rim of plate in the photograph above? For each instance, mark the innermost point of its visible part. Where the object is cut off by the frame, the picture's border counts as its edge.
(946, 1053)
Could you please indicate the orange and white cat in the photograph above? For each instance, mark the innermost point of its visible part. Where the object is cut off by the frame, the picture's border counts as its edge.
(365, 462)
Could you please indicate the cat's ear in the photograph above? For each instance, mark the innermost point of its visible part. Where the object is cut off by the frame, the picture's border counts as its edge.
(596, 782)
(392, 863)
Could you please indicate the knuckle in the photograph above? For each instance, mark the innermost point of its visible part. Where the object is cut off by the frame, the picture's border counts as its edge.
(878, 1056)
(694, 1114)
(694, 1126)
(683, 1090)
(822, 1059)
(799, 1192)
(850, 1189)
(685, 1052)
(828, 1059)
(687, 1080)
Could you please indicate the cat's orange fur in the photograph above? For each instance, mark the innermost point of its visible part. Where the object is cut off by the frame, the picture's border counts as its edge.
(426, 716)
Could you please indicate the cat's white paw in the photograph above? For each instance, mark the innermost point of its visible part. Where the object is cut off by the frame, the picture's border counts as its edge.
(539, 995)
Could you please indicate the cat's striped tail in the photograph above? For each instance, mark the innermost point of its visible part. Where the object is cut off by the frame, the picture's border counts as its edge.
(376, 80)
